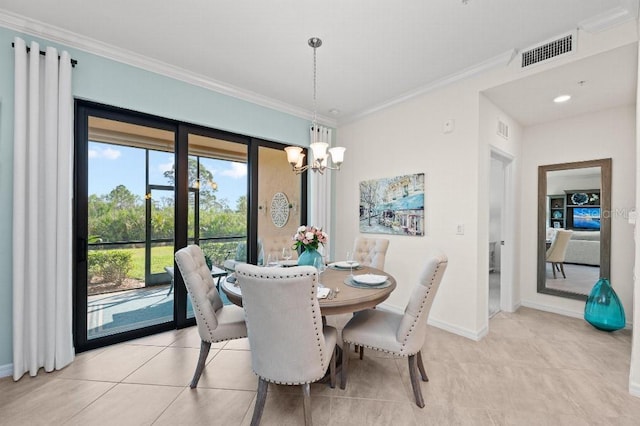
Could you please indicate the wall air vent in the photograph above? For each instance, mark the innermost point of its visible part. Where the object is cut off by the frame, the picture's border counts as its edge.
(548, 50)
(503, 129)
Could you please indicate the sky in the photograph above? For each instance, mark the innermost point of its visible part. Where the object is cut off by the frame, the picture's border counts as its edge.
(113, 165)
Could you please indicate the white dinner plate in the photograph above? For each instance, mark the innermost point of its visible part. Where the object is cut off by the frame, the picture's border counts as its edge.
(290, 262)
(370, 279)
(345, 265)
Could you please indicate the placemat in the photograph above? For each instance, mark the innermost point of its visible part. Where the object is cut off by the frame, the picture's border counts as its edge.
(348, 281)
(337, 268)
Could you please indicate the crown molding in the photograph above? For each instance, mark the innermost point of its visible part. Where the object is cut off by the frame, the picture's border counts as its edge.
(497, 61)
(608, 19)
(73, 40)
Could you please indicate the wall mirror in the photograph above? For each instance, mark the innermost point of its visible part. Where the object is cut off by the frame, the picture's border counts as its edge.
(574, 227)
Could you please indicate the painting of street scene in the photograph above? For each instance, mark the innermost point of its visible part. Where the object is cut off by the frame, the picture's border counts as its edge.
(393, 205)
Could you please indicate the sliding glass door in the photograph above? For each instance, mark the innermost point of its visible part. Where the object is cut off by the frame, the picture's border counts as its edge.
(218, 210)
(146, 187)
(125, 209)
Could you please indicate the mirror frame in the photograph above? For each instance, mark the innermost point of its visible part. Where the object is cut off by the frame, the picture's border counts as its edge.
(605, 221)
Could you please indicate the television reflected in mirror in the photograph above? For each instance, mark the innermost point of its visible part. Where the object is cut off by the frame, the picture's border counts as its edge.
(587, 218)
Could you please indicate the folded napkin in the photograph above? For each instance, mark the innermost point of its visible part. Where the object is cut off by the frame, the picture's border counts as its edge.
(344, 265)
(323, 292)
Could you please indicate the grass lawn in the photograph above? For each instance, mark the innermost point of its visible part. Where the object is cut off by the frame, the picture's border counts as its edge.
(162, 256)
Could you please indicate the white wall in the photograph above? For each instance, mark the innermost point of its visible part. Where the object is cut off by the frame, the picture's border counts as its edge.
(557, 185)
(604, 134)
(409, 138)
(634, 374)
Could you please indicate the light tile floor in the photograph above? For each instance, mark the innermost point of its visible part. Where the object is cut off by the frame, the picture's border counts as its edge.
(533, 368)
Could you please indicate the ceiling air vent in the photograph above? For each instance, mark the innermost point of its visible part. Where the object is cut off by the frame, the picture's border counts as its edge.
(503, 129)
(548, 50)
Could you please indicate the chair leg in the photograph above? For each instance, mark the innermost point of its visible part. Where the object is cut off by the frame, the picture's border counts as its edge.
(562, 270)
(204, 351)
(361, 352)
(345, 365)
(423, 372)
(306, 403)
(415, 384)
(332, 368)
(260, 400)
(553, 268)
(170, 287)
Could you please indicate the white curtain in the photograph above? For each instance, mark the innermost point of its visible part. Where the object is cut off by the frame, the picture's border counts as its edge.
(320, 188)
(42, 195)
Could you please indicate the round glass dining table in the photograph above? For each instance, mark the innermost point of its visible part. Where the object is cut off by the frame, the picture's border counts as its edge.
(347, 299)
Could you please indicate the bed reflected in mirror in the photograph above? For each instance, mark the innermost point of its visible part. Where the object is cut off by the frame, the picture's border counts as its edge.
(574, 202)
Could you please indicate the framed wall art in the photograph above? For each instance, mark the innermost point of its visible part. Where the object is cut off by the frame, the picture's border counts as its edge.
(393, 205)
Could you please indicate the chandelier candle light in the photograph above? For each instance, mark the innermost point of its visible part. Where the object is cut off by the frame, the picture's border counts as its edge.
(320, 148)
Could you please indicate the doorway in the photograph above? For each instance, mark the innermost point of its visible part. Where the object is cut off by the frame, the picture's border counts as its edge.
(496, 212)
(501, 234)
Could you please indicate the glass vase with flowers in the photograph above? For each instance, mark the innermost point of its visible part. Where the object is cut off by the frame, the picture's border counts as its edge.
(310, 239)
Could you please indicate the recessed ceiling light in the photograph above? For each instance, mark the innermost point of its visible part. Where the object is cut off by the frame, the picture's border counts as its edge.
(334, 111)
(561, 98)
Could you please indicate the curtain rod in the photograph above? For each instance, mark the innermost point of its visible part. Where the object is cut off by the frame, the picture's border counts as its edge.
(73, 61)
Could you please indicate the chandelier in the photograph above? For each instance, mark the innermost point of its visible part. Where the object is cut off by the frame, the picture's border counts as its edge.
(319, 148)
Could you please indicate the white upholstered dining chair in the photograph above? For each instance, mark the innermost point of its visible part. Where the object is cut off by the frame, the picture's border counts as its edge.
(556, 253)
(370, 251)
(216, 322)
(399, 335)
(289, 343)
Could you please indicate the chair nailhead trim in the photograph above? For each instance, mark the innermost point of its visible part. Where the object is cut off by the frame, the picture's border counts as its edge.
(424, 300)
(323, 361)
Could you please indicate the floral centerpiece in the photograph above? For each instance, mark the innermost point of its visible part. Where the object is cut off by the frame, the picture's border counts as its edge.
(309, 238)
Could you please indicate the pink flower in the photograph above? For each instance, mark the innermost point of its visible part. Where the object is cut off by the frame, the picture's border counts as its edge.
(309, 237)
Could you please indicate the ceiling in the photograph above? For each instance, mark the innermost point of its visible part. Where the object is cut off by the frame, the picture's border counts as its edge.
(595, 83)
(373, 52)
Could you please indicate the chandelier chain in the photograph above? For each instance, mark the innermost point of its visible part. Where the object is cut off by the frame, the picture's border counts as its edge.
(315, 90)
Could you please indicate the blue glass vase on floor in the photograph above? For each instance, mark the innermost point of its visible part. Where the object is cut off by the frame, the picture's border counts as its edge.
(603, 309)
(308, 257)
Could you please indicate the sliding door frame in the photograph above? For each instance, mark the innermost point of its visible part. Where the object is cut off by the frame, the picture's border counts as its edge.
(84, 110)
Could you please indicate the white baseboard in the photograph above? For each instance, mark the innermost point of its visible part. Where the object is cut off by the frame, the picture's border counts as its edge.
(513, 308)
(6, 370)
(634, 389)
(552, 309)
(391, 308)
(561, 311)
(469, 334)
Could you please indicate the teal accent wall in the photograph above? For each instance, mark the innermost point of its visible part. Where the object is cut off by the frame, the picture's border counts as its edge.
(114, 83)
